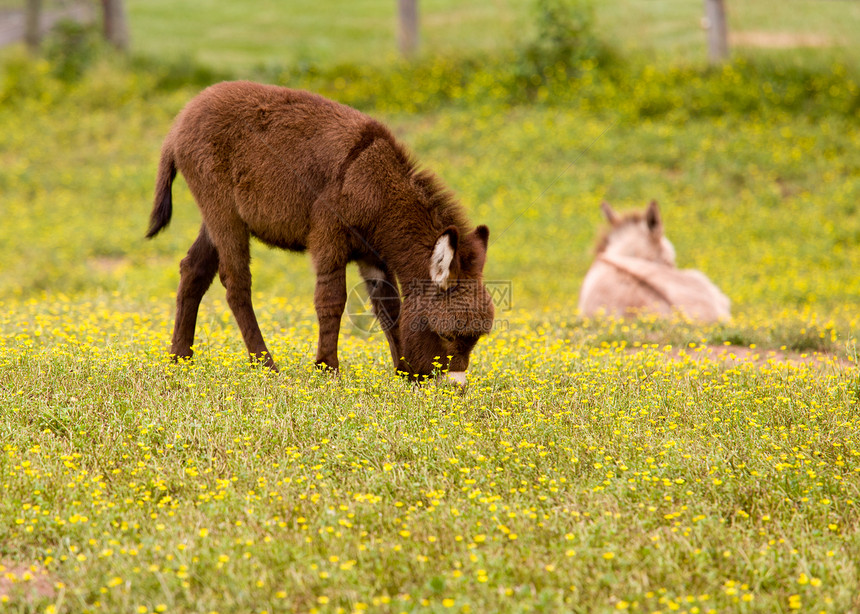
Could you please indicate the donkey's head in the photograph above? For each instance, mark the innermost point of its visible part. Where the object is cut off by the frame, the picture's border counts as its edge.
(636, 235)
(443, 317)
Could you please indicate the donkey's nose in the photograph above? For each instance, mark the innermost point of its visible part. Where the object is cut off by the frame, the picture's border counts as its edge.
(458, 377)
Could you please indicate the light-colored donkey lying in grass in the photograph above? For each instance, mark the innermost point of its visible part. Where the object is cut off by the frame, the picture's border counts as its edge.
(634, 272)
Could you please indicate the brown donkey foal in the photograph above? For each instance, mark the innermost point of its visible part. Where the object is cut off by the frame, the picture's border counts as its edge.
(301, 172)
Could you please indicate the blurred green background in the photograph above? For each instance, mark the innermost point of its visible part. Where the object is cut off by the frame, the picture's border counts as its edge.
(531, 111)
(236, 36)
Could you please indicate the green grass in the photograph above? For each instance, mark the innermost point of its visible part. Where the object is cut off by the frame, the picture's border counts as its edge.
(590, 466)
(574, 476)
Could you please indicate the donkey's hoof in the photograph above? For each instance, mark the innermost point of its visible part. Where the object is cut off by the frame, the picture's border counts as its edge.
(458, 377)
(326, 367)
(264, 361)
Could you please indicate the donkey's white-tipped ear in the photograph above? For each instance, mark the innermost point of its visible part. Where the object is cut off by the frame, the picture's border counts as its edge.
(443, 256)
(609, 214)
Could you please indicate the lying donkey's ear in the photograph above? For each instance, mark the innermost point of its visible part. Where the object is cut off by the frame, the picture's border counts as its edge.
(653, 219)
(609, 214)
(443, 256)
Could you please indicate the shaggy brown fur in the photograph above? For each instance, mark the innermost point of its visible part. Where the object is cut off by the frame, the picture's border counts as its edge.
(634, 272)
(301, 172)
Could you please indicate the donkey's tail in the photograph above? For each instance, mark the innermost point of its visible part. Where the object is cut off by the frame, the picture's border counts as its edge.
(163, 207)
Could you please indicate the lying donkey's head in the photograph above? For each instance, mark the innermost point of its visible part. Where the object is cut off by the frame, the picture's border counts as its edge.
(443, 317)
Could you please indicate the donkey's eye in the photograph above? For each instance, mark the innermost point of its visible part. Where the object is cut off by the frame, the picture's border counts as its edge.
(449, 338)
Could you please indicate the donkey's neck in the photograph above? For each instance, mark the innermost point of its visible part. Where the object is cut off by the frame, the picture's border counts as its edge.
(408, 256)
(646, 272)
(411, 220)
(406, 249)
(634, 241)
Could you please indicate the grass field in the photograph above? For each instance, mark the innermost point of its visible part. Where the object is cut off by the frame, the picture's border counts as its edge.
(590, 466)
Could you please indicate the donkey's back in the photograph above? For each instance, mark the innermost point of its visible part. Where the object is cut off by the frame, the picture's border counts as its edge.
(624, 287)
(259, 154)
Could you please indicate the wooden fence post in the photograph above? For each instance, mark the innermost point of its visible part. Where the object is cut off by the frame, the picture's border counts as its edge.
(115, 24)
(718, 43)
(408, 33)
(33, 24)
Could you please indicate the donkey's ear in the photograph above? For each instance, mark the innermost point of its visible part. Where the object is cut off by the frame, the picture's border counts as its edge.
(653, 219)
(443, 256)
(609, 214)
(483, 233)
(474, 252)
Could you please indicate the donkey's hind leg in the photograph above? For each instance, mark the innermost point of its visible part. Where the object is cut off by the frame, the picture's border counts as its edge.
(197, 270)
(234, 269)
(385, 298)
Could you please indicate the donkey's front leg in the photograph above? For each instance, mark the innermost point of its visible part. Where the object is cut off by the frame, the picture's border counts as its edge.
(385, 298)
(329, 301)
